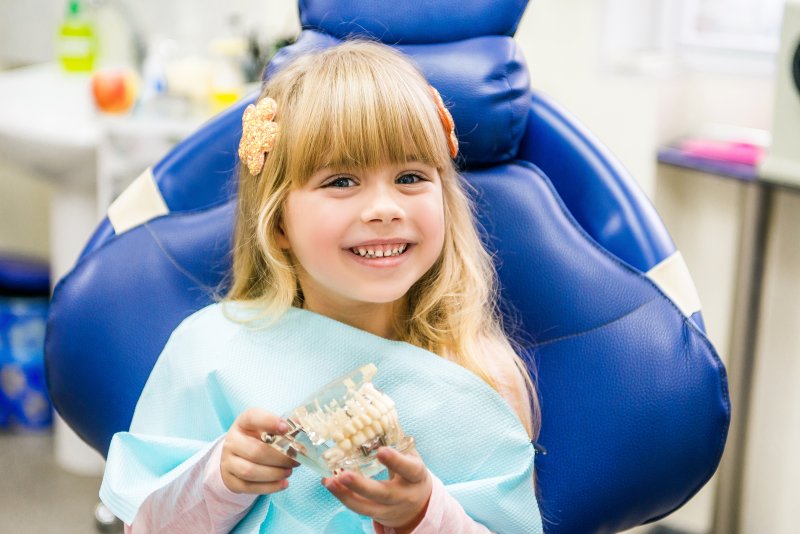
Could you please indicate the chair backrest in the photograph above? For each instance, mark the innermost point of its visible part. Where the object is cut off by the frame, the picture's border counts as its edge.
(634, 397)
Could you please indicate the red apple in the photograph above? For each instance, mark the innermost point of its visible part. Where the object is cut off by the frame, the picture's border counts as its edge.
(114, 90)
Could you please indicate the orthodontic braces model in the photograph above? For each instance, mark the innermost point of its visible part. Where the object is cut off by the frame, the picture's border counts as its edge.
(342, 426)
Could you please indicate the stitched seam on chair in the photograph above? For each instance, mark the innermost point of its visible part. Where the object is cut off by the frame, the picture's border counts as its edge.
(723, 435)
(601, 249)
(181, 213)
(509, 55)
(172, 260)
(595, 328)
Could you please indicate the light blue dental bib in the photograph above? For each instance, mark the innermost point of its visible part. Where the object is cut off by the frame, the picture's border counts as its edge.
(213, 368)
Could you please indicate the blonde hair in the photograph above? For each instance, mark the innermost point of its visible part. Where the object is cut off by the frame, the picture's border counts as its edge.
(358, 105)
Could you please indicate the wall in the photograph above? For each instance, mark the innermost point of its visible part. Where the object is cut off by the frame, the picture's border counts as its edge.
(24, 209)
(27, 31)
(773, 465)
(561, 41)
(24, 198)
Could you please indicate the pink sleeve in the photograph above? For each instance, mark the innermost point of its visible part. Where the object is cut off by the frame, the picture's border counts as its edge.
(197, 501)
(444, 514)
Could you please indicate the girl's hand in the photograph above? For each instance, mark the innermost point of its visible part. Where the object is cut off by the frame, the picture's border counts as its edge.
(247, 464)
(399, 502)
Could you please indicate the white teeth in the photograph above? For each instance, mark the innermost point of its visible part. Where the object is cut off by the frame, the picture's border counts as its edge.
(358, 423)
(382, 251)
(359, 438)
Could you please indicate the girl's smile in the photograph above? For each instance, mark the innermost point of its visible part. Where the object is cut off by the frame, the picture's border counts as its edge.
(380, 250)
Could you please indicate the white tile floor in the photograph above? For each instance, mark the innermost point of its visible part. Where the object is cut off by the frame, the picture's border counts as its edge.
(37, 496)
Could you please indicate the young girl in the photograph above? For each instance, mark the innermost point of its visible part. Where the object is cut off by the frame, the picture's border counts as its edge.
(355, 243)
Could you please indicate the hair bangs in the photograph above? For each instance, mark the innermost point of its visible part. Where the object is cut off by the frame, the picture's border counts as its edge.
(367, 119)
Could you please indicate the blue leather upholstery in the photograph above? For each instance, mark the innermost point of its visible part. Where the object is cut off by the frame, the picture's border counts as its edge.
(634, 397)
(23, 276)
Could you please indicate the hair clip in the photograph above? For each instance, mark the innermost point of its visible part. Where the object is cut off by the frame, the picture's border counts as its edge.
(447, 122)
(259, 132)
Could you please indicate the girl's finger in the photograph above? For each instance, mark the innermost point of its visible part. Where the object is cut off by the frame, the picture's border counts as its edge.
(408, 466)
(353, 501)
(250, 472)
(255, 421)
(256, 451)
(267, 455)
(367, 488)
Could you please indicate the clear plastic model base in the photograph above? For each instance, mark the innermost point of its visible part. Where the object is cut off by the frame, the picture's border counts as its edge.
(342, 426)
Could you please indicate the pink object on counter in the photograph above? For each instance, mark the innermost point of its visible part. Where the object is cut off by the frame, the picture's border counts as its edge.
(729, 151)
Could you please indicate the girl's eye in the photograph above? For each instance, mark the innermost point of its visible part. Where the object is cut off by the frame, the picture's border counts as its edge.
(341, 182)
(409, 178)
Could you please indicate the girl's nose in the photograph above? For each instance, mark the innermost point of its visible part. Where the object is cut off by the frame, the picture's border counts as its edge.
(381, 206)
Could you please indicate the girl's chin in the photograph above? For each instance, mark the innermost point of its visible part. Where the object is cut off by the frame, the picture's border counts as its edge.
(379, 300)
(379, 297)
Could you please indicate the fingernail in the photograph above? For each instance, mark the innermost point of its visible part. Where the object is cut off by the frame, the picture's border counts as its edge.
(284, 483)
(282, 427)
(288, 472)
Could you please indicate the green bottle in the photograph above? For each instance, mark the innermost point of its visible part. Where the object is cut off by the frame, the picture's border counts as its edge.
(76, 42)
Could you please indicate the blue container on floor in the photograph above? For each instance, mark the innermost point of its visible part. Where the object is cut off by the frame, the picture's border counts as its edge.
(24, 289)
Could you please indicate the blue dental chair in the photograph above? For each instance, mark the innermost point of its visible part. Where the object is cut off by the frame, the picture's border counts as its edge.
(634, 397)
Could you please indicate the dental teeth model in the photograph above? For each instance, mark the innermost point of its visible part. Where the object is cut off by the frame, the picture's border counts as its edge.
(342, 426)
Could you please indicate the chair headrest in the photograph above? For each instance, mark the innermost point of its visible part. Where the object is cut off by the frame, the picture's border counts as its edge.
(430, 21)
(489, 101)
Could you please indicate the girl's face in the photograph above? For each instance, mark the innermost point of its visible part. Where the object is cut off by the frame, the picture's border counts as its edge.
(363, 236)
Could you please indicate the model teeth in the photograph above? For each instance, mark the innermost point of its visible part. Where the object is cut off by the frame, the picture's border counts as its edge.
(380, 251)
(367, 417)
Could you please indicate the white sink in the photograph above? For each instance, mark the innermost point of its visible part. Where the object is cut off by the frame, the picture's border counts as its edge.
(48, 123)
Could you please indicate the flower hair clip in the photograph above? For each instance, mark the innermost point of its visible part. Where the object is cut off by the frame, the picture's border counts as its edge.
(447, 122)
(259, 132)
